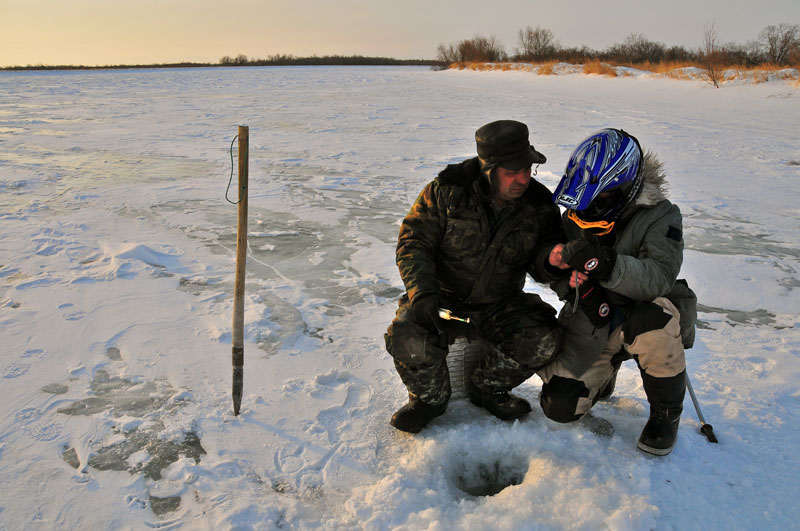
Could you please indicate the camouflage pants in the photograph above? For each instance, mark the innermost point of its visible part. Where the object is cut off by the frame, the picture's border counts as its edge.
(523, 330)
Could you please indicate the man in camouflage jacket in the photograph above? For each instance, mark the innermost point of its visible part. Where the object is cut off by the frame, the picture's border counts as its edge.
(466, 245)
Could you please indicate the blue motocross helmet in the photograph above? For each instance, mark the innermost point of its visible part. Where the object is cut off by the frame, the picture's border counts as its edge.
(603, 176)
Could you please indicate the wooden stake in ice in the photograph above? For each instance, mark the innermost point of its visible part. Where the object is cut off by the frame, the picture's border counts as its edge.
(241, 259)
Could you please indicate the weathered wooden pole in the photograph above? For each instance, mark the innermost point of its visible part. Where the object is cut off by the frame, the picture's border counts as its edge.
(241, 260)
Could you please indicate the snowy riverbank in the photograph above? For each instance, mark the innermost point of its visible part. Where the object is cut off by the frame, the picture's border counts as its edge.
(116, 273)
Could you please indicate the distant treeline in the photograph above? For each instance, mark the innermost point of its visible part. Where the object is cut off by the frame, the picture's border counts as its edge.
(243, 60)
(777, 45)
(108, 67)
(333, 60)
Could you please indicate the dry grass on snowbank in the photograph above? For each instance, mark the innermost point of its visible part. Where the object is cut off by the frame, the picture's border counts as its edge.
(600, 68)
(672, 70)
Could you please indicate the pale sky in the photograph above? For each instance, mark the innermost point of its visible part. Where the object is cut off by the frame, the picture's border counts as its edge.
(104, 32)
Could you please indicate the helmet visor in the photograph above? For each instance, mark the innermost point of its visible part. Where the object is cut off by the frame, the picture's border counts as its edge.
(603, 205)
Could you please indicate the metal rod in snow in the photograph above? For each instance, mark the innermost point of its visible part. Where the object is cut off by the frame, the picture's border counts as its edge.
(237, 357)
(705, 429)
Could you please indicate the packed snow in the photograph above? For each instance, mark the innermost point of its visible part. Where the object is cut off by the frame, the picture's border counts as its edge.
(117, 256)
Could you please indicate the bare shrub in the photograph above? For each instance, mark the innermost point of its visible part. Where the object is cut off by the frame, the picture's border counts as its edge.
(780, 43)
(748, 54)
(637, 49)
(710, 54)
(477, 49)
(577, 55)
(480, 48)
(446, 54)
(536, 44)
(678, 54)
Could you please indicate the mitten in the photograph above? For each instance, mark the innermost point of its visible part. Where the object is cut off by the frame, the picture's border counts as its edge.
(593, 303)
(594, 259)
(425, 311)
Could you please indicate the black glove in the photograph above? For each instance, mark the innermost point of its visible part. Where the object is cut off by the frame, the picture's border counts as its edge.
(425, 311)
(593, 303)
(594, 259)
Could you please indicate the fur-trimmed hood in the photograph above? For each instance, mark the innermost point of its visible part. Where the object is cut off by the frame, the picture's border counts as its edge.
(655, 187)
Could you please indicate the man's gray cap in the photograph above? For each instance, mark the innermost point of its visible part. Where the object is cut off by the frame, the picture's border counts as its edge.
(505, 143)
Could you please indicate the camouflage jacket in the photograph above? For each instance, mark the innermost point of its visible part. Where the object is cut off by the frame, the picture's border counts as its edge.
(447, 245)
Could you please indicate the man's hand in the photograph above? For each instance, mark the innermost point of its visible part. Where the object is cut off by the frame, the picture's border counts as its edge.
(425, 311)
(577, 278)
(556, 256)
(596, 260)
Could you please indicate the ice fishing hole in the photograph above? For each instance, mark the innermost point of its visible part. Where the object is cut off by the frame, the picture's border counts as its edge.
(488, 475)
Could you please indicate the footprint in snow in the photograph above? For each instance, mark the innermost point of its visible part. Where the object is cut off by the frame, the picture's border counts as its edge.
(334, 420)
(44, 431)
(27, 415)
(69, 314)
(15, 370)
(34, 352)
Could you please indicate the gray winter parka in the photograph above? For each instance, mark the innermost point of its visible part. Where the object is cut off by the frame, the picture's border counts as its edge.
(649, 249)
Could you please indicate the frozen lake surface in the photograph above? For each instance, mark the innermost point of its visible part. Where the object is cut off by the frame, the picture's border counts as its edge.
(116, 277)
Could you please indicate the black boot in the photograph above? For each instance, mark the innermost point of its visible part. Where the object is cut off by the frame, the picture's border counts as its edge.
(415, 415)
(661, 431)
(501, 404)
(666, 405)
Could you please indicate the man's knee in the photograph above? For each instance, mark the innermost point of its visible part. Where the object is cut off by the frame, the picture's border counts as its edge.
(532, 346)
(413, 345)
(560, 396)
(537, 350)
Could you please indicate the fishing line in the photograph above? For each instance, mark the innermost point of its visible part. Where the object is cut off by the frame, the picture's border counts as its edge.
(230, 180)
(241, 194)
(577, 294)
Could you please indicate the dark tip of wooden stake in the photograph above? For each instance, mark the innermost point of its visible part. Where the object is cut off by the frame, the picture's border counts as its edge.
(238, 381)
(238, 378)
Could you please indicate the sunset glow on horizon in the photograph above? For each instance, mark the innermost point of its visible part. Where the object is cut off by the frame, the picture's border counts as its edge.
(95, 32)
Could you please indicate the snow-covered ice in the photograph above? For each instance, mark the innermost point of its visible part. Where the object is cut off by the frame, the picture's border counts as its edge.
(116, 273)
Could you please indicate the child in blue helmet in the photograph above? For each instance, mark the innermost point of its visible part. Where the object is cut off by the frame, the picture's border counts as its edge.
(623, 297)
